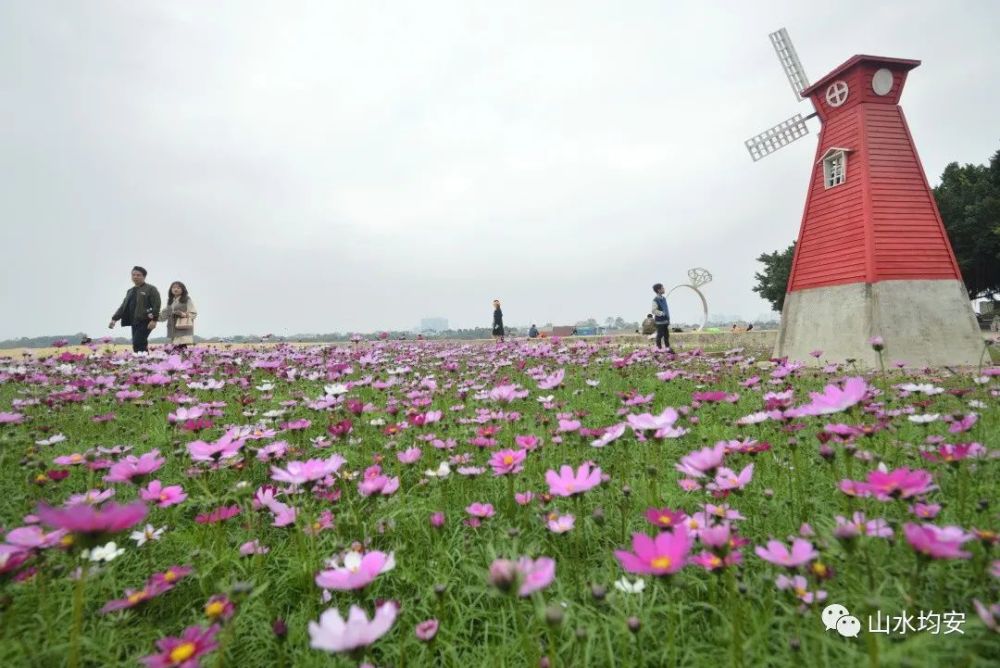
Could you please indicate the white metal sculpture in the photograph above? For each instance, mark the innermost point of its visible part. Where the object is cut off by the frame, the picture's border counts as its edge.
(697, 277)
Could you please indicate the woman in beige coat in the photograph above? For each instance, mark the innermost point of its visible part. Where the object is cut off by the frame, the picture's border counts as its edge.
(178, 313)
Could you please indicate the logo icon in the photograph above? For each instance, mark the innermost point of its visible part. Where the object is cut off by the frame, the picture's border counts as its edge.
(836, 616)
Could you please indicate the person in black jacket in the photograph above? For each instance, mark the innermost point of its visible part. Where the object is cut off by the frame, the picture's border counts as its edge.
(140, 309)
(497, 321)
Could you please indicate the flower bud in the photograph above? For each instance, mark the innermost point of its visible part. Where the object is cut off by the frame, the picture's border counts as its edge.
(553, 615)
(503, 574)
(634, 624)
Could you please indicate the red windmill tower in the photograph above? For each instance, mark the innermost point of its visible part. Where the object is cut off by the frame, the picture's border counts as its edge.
(872, 257)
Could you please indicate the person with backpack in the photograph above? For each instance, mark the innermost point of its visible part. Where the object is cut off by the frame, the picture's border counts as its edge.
(661, 317)
(140, 309)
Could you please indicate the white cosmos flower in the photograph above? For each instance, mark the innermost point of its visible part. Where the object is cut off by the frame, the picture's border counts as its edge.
(442, 471)
(52, 440)
(335, 389)
(146, 535)
(107, 552)
(923, 388)
(546, 400)
(265, 387)
(624, 585)
(926, 418)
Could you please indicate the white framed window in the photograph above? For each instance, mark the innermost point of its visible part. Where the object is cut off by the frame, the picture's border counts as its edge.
(835, 167)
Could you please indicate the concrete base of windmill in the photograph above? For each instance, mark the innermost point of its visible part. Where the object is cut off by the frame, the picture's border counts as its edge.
(923, 323)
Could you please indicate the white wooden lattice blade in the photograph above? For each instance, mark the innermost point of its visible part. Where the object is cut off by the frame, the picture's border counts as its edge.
(779, 136)
(790, 61)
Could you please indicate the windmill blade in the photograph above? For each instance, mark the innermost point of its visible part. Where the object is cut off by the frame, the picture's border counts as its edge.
(790, 61)
(781, 135)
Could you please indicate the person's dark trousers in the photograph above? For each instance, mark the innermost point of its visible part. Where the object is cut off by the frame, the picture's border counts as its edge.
(140, 338)
(663, 336)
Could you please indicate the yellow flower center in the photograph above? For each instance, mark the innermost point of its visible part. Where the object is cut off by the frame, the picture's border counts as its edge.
(67, 540)
(75, 457)
(800, 591)
(182, 653)
(164, 496)
(665, 520)
(508, 460)
(715, 561)
(819, 569)
(317, 526)
(41, 477)
(214, 609)
(660, 562)
(170, 576)
(693, 523)
(138, 596)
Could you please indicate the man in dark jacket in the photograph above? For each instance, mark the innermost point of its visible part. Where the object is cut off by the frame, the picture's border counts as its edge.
(661, 317)
(140, 309)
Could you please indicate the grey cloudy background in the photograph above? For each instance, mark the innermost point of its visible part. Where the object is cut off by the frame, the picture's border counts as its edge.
(342, 166)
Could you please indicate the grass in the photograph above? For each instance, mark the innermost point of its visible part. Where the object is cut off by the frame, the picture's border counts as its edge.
(694, 618)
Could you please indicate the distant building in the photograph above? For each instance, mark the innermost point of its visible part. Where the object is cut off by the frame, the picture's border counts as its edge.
(433, 324)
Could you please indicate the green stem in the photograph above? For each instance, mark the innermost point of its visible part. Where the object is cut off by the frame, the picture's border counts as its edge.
(74, 638)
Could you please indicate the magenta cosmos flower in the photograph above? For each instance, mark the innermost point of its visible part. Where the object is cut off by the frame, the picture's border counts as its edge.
(134, 597)
(568, 483)
(665, 517)
(297, 473)
(777, 553)
(426, 630)
(90, 520)
(508, 461)
(135, 467)
(335, 634)
(937, 542)
(896, 484)
(183, 652)
(664, 555)
(357, 572)
(478, 509)
(162, 496)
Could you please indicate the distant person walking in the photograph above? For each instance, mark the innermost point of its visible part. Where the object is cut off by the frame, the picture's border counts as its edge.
(179, 314)
(497, 321)
(648, 325)
(661, 317)
(140, 310)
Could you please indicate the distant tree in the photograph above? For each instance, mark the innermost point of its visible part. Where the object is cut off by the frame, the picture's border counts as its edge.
(773, 282)
(620, 323)
(969, 200)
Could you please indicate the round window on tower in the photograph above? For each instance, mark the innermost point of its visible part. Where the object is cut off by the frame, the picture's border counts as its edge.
(836, 94)
(882, 82)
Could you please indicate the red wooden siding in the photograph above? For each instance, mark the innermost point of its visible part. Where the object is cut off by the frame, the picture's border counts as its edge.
(882, 222)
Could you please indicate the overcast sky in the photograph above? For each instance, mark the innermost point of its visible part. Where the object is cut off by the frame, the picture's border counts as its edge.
(345, 166)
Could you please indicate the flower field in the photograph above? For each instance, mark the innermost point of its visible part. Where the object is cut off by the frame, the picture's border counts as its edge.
(558, 503)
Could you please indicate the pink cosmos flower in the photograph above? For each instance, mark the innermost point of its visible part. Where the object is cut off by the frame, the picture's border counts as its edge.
(664, 555)
(507, 461)
(357, 571)
(409, 456)
(937, 542)
(990, 615)
(860, 526)
(698, 463)
(183, 652)
(966, 423)
(32, 537)
(946, 452)
(185, 414)
(568, 483)
(227, 447)
(312, 470)
(800, 587)
(162, 496)
(535, 574)
(611, 434)
(647, 421)
(426, 630)
(566, 426)
(11, 418)
(727, 480)
(926, 511)
(507, 393)
(252, 547)
(71, 460)
(87, 519)
(92, 497)
(134, 597)
(553, 380)
(899, 483)
(527, 441)
(272, 451)
(478, 509)
(834, 399)
(171, 576)
(560, 523)
(135, 467)
(437, 519)
(523, 498)
(375, 482)
(335, 634)
(776, 552)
